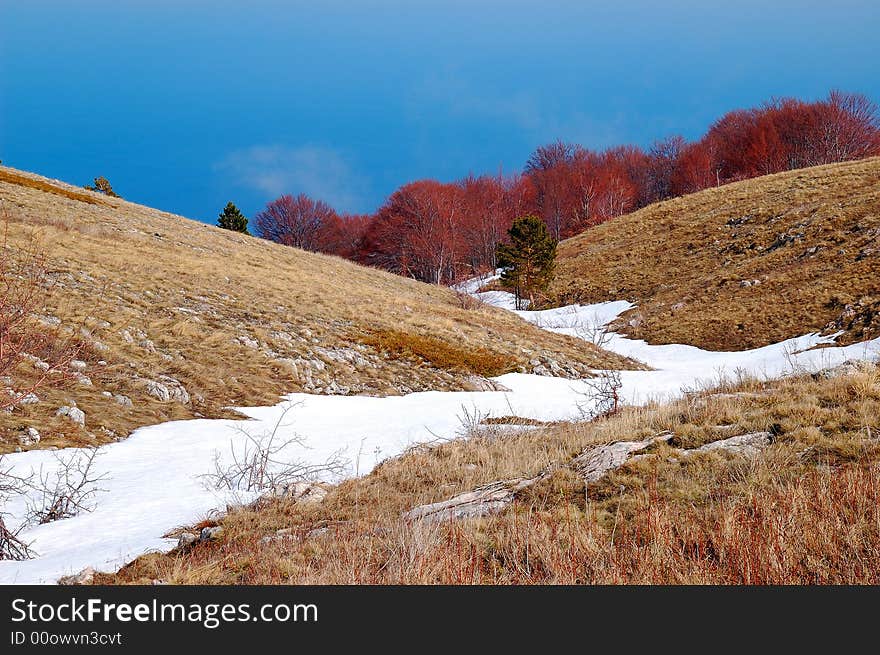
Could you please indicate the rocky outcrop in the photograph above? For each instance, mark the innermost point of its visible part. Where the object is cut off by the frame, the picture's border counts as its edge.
(29, 437)
(301, 492)
(166, 389)
(485, 500)
(596, 461)
(84, 577)
(747, 445)
(478, 383)
(592, 464)
(72, 413)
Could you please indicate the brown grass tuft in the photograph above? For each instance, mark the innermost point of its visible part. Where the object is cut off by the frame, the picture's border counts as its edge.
(479, 361)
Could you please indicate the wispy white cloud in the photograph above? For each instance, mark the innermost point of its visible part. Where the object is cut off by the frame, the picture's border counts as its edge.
(539, 118)
(320, 172)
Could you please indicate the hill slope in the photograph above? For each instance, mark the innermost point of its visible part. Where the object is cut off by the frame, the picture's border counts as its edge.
(743, 265)
(235, 320)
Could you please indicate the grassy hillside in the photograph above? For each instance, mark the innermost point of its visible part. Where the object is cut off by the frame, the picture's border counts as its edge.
(159, 300)
(806, 510)
(742, 265)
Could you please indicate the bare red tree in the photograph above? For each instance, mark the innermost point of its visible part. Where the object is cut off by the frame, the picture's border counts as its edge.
(295, 221)
(417, 233)
(662, 161)
(343, 235)
(551, 169)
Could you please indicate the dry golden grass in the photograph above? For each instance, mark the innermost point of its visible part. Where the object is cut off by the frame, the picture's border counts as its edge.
(12, 176)
(806, 511)
(810, 237)
(438, 353)
(226, 314)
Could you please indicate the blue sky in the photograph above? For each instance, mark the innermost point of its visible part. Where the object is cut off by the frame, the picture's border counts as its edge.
(185, 105)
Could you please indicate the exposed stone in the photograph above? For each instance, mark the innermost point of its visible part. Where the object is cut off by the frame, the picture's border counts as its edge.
(211, 533)
(123, 400)
(849, 367)
(28, 399)
(478, 383)
(75, 414)
(186, 539)
(284, 534)
(596, 461)
(485, 500)
(84, 577)
(29, 436)
(166, 388)
(302, 492)
(77, 365)
(747, 445)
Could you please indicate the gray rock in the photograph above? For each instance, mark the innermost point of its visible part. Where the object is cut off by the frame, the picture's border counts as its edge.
(747, 445)
(186, 539)
(211, 533)
(166, 389)
(302, 492)
(596, 461)
(123, 400)
(84, 577)
(29, 399)
(478, 383)
(77, 365)
(29, 436)
(284, 534)
(483, 501)
(73, 413)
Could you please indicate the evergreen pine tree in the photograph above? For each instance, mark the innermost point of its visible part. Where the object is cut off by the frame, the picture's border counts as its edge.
(232, 219)
(528, 261)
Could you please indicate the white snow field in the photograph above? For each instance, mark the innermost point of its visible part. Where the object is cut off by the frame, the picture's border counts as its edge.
(153, 479)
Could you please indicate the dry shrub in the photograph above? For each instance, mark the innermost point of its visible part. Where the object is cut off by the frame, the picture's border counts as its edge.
(40, 185)
(439, 353)
(24, 289)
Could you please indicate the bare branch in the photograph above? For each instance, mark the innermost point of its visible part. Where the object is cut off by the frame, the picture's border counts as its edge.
(256, 465)
(68, 490)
